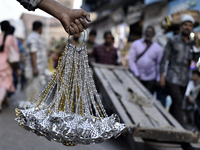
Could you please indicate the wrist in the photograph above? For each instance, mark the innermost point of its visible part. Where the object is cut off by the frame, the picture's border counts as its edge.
(57, 10)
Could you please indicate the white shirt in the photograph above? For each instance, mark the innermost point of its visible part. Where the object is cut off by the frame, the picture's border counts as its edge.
(34, 44)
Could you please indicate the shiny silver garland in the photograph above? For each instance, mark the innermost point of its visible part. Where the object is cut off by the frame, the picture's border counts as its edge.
(76, 114)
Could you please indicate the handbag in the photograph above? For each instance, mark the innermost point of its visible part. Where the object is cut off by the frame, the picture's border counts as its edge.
(13, 58)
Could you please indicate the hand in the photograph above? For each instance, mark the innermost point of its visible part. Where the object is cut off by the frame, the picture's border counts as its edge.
(73, 22)
(35, 72)
(71, 19)
(89, 51)
(191, 99)
(162, 81)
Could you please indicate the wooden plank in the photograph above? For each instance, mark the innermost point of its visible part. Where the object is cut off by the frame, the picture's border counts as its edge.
(112, 97)
(167, 135)
(136, 143)
(132, 109)
(158, 105)
(154, 114)
(97, 65)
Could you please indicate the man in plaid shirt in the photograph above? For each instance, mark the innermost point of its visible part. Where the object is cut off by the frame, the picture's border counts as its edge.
(106, 53)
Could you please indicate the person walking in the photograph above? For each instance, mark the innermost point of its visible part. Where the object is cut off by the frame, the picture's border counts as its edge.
(35, 61)
(106, 53)
(179, 52)
(6, 79)
(144, 59)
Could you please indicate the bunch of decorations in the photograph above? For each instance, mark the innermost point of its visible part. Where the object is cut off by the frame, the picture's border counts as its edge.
(76, 114)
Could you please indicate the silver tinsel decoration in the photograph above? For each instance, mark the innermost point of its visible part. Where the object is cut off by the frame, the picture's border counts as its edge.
(76, 114)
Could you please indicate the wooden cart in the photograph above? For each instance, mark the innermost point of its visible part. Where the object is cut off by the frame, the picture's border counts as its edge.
(147, 124)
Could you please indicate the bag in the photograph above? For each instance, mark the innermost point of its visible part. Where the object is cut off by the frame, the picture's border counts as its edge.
(143, 52)
(13, 58)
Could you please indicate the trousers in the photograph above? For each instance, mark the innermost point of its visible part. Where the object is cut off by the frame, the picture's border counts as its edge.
(177, 94)
(150, 85)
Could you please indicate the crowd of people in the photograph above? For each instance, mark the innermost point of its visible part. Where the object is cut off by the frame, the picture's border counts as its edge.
(168, 72)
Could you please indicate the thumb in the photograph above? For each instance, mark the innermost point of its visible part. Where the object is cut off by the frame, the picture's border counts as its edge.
(86, 15)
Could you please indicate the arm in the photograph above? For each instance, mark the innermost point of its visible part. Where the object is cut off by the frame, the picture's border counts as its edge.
(33, 52)
(132, 58)
(165, 58)
(33, 60)
(70, 18)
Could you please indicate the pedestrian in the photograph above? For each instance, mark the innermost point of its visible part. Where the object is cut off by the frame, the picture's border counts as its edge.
(90, 44)
(105, 53)
(15, 70)
(192, 95)
(179, 52)
(71, 19)
(35, 61)
(144, 59)
(6, 43)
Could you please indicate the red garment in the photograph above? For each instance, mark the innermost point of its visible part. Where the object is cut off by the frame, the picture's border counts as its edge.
(105, 57)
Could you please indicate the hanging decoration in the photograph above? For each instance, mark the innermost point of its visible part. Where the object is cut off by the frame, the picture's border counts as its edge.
(76, 114)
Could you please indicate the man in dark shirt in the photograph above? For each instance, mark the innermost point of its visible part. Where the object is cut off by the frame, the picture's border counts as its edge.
(179, 52)
(106, 53)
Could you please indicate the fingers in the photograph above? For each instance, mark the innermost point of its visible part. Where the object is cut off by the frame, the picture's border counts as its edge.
(84, 23)
(76, 29)
(79, 25)
(86, 15)
(71, 30)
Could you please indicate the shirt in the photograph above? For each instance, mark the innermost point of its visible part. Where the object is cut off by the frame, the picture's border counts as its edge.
(179, 55)
(29, 4)
(34, 44)
(147, 66)
(101, 55)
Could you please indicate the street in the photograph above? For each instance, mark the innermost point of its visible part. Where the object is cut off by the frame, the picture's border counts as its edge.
(13, 137)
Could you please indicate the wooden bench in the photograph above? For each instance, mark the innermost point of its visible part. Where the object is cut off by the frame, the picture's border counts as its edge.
(154, 123)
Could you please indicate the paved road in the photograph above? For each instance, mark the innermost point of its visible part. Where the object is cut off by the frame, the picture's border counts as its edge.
(13, 137)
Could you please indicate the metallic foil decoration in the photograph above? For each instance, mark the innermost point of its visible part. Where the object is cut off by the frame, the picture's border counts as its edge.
(76, 114)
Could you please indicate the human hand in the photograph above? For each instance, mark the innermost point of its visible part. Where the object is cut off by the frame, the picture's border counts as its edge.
(89, 51)
(191, 99)
(73, 22)
(71, 19)
(162, 81)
